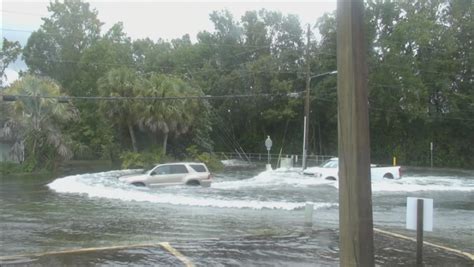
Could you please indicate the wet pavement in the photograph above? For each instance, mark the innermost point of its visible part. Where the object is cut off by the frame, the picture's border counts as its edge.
(312, 248)
(246, 218)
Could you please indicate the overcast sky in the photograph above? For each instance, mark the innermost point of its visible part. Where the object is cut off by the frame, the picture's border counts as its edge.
(153, 19)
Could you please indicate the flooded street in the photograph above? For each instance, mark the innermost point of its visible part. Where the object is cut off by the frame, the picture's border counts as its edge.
(39, 215)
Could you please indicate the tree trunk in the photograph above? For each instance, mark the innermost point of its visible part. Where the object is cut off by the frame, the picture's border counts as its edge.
(165, 142)
(33, 150)
(132, 136)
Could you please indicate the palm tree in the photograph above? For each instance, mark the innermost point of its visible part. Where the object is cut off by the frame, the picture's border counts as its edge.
(121, 82)
(35, 117)
(167, 116)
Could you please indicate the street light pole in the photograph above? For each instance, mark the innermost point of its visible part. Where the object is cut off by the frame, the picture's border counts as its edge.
(306, 106)
(306, 102)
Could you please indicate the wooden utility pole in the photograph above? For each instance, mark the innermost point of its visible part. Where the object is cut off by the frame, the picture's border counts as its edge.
(306, 100)
(355, 194)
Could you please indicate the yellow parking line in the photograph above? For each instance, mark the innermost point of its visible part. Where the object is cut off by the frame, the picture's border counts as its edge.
(164, 245)
(177, 254)
(79, 250)
(466, 254)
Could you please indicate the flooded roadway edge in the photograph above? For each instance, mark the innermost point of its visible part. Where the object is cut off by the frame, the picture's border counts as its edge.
(166, 246)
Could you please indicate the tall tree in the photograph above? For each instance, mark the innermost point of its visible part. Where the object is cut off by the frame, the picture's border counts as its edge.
(35, 120)
(56, 48)
(168, 117)
(121, 82)
(10, 52)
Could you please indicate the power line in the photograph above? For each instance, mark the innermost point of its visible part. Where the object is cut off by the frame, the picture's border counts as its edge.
(122, 98)
(65, 99)
(425, 114)
(18, 30)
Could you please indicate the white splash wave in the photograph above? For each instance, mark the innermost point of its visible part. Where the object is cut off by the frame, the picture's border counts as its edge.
(294, 178)
(274, 178)
(424, 183)
(105, 185)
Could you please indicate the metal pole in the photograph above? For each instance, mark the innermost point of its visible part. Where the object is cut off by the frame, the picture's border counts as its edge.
(355, 195)
(419, 232)
(306, 100)
(268, 157)
(303, 163)
(431, 154)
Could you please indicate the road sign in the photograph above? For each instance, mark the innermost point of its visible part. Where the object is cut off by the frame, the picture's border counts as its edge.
(268, 143)
(427, 213)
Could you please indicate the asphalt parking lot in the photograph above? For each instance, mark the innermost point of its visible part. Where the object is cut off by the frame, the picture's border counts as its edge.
(313, 248)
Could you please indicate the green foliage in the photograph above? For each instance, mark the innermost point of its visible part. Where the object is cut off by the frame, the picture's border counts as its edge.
(10, 52)
(11, 168)
(132, 160)
(167, 117)
(34, 124)
(143, 160)
(418, 79)
(420, 83)
(56, 48)
(212, 161)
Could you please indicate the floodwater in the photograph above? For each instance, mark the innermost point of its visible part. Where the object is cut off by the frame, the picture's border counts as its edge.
(96, 210)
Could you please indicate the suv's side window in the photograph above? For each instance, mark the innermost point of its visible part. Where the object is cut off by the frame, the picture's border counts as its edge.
(198, 167)
(162, 170)
(175, 169)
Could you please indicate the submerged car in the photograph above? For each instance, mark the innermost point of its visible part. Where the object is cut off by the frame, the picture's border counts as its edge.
(187, 173)
(329, 170)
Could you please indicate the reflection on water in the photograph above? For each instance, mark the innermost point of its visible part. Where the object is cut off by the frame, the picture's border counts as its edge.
(90, 210)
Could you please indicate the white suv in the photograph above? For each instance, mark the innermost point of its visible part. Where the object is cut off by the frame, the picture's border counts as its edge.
(188, 173)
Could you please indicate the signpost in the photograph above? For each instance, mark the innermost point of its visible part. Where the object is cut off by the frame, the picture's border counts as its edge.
(431, 154)
(268, 144)
(303, 163)
(419, 218)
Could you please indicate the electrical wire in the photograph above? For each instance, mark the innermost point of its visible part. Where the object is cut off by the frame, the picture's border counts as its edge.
(122, 98)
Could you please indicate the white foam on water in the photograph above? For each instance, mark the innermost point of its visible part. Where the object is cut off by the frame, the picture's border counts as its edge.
(105, 185)
(275, 178)
(293, 177)
(424, 183)
(236, 163)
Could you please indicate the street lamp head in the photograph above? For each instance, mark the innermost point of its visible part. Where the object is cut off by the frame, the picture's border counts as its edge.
(324, 74)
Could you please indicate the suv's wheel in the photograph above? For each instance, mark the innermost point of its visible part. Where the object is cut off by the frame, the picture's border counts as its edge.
(138, 184)
(388, 176)
(193, 183)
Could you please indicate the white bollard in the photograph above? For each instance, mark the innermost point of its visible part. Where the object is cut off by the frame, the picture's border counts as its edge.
(269, 167)
(286, 163)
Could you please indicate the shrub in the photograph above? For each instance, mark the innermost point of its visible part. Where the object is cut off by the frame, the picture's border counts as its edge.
(10, 167)
(144, 160)
(212, 162)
